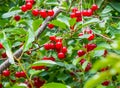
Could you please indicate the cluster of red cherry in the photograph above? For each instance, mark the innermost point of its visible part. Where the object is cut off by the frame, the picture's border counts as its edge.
(4, 55)
(56, 44)
(78, 14)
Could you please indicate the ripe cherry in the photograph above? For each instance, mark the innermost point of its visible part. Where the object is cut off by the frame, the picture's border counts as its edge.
(52, 38)
(106, 83)
(64, 50)
(35, 12)
(78, 14)
(72, 15)
(88, 67)
(52, 46)
(1, 46)
(90, 47)
(50, 26)
(52, 58)
(4, 55)
(81, 34)
(79, 19)
(6, 73)
(30, 1)
(82, 61)
(87, 31)
(18, 74)
(23, 74)
(1, 85)
(43, 13)
(38, 67)
(47, 46)
(104, 69)
(50, 13)
(74, 9)
(58, 45)
(81, 53)
(94, 7)
(91, 37)
(84, 12)
(58, 40)
(61, 55)
(29, 6)
(89, 12)
(24, 8)
(17, 17)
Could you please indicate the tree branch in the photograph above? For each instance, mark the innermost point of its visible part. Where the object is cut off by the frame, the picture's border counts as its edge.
(18, 53)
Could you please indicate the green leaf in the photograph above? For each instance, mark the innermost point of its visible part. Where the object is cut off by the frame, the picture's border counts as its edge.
(72, 22)
(36, 24)
(7, 46)
(98, 53)
(30, 38)
(19, 86)
(115, 5)
(54, 85)
(44, 63)
(34, 72)
(75, 61)
(59, 24)
(107, 9)
(99, 2)
(51, 2)
(9, 14)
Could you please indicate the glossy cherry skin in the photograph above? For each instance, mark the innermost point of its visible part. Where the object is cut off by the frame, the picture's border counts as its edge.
(4, 55)
(23, 74)
(24, 8)
(88, 67)
(61, 55)
(74, 9)
(50, 26)
(90, 47)
(94, 7)
(82, 61)
(35, 12)
(52, 38)
(29, 6)
(1, 46)
(91, 37)
(64, 50)
(58, 45)
(81, 53)
(6, 73)
(17, 17)
(72, 15)
(106, 83)
(43, 13)
(50, 13)
(18, 74)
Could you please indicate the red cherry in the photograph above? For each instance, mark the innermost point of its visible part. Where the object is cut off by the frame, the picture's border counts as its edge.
(43, 13)
(91, 37)
(72, 15)
(52, 58)
(78, 14)
(24, 8)
(81, 34)
(50, 12)
(61, 55)
(38, 83)
(35, 12)
(89, 12)
(52, 38)
(88, 67)
(58, 40)
(18, 74)
(29, 5)
(64, 50)
(30, 1)
(105, 53)
(17, 17)
(90, 47)
(58, 45)
(38, 67)
(6, 73)
(87, 31)
(82, 61)
(52, 46)
(74, 9)
(1, 46)
(81, 53)
(22, 73)
(104, 69)
(4, 55)
(1, 85)
(45, 58)
(84, 12)
(106, 83)
(79, 19)
(50, 26)
(94, 7)
(46, 46)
